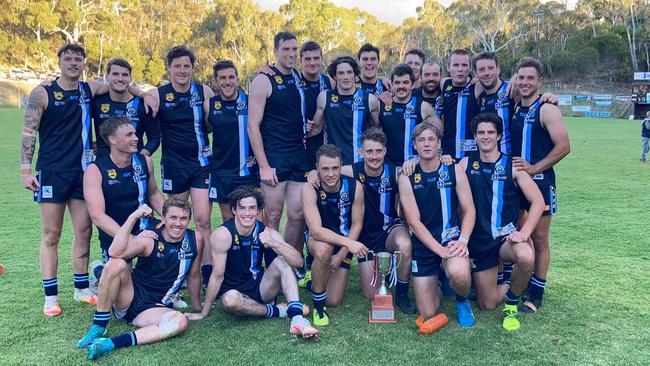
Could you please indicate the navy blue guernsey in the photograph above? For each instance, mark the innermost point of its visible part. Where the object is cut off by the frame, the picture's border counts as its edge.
(418, 93)
(435, 195)
(104, 108)
(232, 154)
(645, 132)
(125, 189)
(530, 140)
(184, 140)
(398, 121)
(375, 88)
(496, 198)
(161, 274)
(65, 131)
(458, 104)
(380, 199)
(312, 89)
(283, 124)
(244, 258)
(335, 208)
(500, 104)
(346, 117)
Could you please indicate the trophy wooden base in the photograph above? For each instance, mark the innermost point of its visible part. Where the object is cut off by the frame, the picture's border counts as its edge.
(382, 310)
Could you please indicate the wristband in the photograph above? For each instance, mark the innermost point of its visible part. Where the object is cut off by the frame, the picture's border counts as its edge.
(463, 238)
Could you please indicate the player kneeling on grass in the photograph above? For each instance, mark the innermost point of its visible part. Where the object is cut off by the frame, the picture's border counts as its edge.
(496, 189)
(437, 204)
(245, 288)
(144, 298)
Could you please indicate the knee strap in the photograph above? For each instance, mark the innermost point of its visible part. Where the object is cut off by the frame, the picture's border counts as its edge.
(169, 324)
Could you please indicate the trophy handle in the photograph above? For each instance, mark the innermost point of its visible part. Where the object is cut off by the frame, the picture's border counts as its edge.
(375, 269)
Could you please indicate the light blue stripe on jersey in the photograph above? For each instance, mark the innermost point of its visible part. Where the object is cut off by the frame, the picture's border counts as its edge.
(527, 138)
(198, 125)
(132, 111)
(384, 198)
(461, 117)
(183, 268)
(409, 125)
(323, 83)
(242, 118)
(503, 111)
(379, 87)
(303, 105)
(357, 123)
(84, 103)
(445, 201)
(344, 210)
(142, 186)
(253, 268)
(497, 198)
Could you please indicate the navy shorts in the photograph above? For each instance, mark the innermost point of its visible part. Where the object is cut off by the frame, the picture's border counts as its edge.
(221, 186)
(550, 200)
(377, 243)
(426, 266)
(251, 288)
(178, 180)
(142, 300)
(290, 167)
(59, 187)
(487, 256)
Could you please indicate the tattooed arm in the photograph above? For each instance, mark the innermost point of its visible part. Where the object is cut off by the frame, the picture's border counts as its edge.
(35, 108)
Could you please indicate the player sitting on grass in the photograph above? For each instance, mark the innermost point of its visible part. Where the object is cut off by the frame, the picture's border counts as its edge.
(144, 298)
(245, 288)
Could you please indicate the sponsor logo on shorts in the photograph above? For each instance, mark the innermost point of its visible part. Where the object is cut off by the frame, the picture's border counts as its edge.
(414, 266)
(167, 184)
(213, 192)
(46, 192)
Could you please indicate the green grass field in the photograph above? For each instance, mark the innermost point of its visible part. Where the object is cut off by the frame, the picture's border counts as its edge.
(596, 307)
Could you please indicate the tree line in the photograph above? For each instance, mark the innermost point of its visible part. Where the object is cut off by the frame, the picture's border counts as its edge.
(602, 39)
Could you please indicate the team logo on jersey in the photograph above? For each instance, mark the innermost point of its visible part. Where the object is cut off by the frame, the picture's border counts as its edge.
(388, 107)
(449, 88)
(161, 246)
(358, 100)
(241, 104)
(417, 178)
(130, 111)
(362, 178)
(278, 79)
(185, 245)
(58, 95)
(169, 97)
(502, 97)
(483, 101)
(410, 107)
(444, 175)
(344, 196)
(476, 165)
(105, 108)
(500, 169)
(111, 173)
(335, 98)
(323, 195)
(385, 181)
(217, 105)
